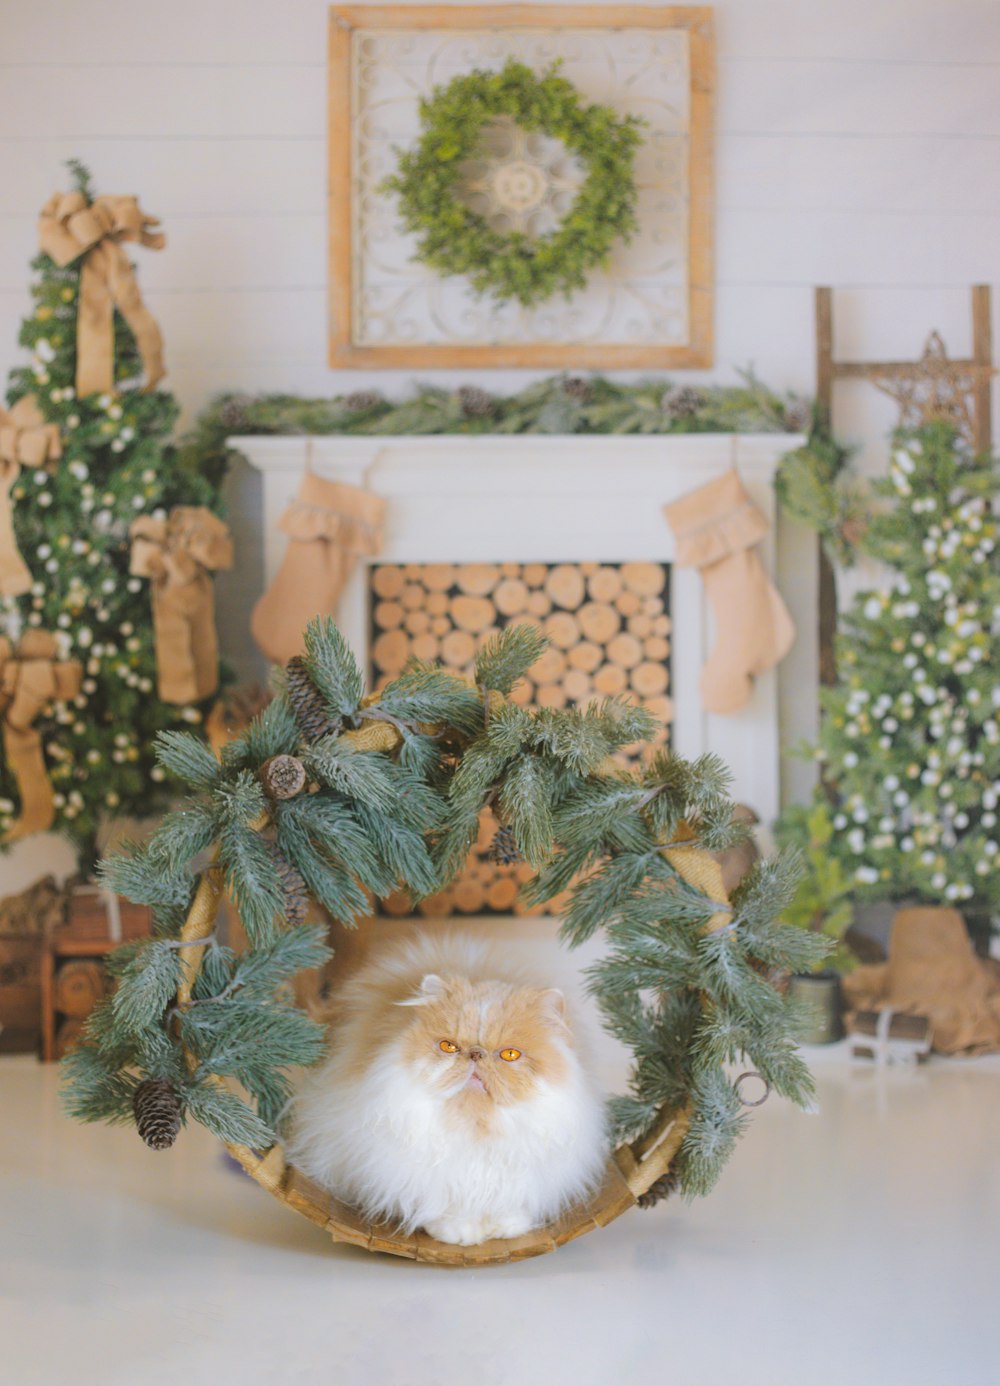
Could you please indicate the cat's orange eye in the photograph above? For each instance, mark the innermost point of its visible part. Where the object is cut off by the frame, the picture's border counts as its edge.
(510, 1054)
(447, 1047)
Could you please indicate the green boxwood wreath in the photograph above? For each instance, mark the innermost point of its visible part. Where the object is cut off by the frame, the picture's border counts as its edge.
(455, 240)
(396, 785)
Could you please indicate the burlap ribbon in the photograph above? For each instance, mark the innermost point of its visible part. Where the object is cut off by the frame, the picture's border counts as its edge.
(178, 555)
(26, 440)
(70, 226)
(30, 677)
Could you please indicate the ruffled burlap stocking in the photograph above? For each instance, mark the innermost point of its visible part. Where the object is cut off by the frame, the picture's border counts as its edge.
(329, 526)
(718, 528)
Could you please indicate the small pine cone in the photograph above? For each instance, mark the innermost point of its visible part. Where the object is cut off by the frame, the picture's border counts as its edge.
(313, 719)
(233, 411)
(666, 1184)
(504, 850)
(578, 388)
(157, 1112)
(362, 400)
(283, 777)
(682, 402)
(798, 416)
(476, 403)
(293, 887)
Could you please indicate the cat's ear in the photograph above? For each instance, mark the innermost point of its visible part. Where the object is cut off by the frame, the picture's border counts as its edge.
(553, 1003)
(431, 989)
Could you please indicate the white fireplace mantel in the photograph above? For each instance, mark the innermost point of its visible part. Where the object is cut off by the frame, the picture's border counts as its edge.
(552, 499)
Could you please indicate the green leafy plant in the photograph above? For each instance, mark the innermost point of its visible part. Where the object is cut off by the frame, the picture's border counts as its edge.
(453, 239)
(822, 901)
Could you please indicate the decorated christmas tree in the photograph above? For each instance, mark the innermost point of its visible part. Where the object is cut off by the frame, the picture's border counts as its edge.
(87, 469)
(910, 740)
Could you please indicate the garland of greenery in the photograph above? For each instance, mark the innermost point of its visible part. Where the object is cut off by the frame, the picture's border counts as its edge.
(687, 1001)
(560, 404)
(453, 239)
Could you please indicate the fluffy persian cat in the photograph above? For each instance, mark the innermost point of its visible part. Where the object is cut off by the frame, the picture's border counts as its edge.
(454, 1097)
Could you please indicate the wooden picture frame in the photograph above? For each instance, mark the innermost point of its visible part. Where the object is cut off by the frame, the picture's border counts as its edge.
(347, 25)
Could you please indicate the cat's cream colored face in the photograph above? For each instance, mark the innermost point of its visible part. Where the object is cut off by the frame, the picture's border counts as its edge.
(486, 1042)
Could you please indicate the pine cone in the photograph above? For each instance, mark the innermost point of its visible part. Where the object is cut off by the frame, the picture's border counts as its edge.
(798, 416)
(307, 704)
(283, 777)
(293, 887)
(233, 411)
(157, 1112)
(578, 388)
(476, 403)
(362, 400)
(682, 402)
(666, 1184)
(504, 850)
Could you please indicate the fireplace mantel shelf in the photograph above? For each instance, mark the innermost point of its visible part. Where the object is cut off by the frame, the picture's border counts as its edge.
(554, 499)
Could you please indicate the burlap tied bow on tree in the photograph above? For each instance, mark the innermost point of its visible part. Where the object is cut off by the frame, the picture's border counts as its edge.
(26, 440)
(30, 677)
(178, 555)
(69, 227)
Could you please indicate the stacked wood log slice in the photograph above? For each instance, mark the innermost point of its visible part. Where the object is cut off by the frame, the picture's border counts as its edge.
(609, 633)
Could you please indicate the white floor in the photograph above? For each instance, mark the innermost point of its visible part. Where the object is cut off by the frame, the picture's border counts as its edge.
(859, 1246)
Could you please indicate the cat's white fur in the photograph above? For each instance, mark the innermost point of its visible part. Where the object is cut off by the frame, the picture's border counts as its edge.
(377, 1132)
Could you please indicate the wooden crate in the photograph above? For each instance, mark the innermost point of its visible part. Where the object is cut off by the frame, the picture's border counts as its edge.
(20, 1017)
(88, 934)
(26, 922)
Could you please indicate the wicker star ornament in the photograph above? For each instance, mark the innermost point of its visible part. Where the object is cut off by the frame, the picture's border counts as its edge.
(938, 389)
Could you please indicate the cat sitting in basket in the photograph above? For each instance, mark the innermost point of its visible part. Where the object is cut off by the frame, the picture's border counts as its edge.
(454, 1098)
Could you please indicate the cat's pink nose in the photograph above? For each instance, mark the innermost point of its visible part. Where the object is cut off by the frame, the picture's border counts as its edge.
(475, 1055)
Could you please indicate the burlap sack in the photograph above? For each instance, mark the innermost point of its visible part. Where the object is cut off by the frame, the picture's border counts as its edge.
(933, 971)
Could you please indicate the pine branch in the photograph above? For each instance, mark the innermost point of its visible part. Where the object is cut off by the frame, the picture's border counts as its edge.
(145, 985)
(273, 732)
(252, 881)
(226, 1116)
(507, 656)
(333, 668)
(191, 760)
(525, 805)
(426, 694)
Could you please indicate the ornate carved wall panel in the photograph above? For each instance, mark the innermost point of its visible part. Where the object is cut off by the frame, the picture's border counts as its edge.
(651, 305)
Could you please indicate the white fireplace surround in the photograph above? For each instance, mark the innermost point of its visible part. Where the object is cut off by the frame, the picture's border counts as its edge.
(553, 499)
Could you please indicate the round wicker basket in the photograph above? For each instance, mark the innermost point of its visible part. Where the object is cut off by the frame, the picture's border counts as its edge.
(632, 1168)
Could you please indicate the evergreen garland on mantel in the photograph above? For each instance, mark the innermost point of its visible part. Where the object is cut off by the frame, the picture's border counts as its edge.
(395, 786)
(561, 404)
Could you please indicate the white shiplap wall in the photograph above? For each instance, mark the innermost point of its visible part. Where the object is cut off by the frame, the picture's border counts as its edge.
(858, 145)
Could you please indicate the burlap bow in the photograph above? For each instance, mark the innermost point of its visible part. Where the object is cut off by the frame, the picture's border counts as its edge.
(30, 677)
(26, 440)
(178, 555)
(25, 435)
(70, 226)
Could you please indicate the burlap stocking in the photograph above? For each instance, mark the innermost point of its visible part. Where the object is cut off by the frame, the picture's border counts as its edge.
(718, 528)
(329, 526)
